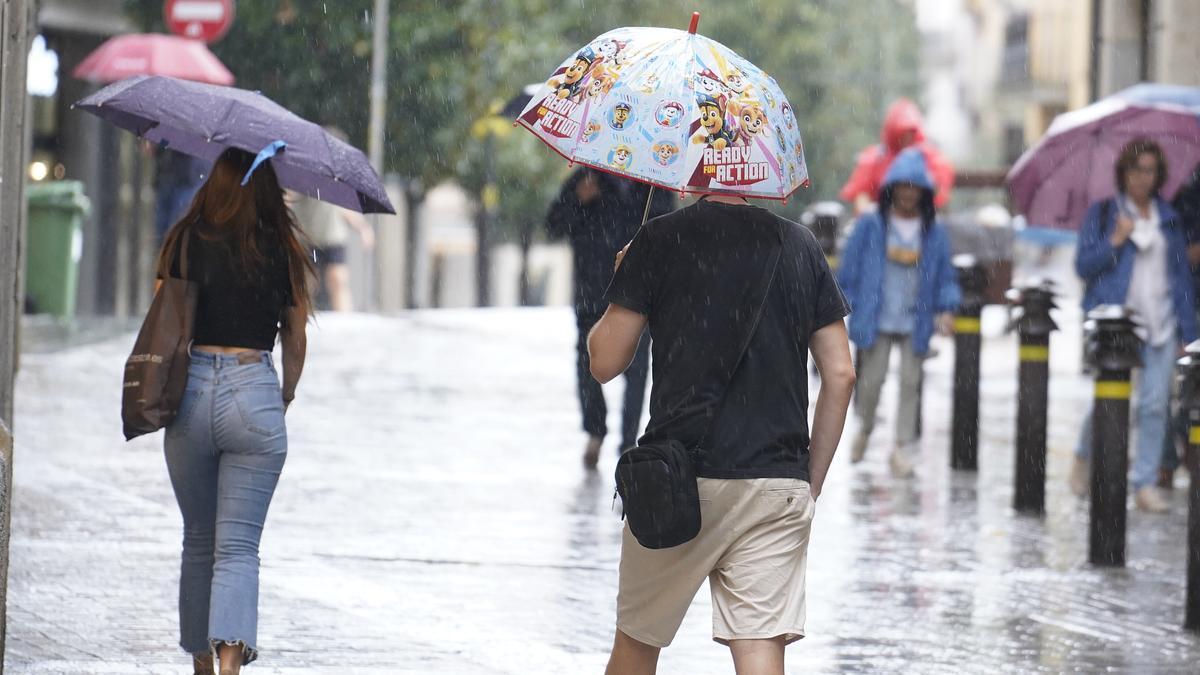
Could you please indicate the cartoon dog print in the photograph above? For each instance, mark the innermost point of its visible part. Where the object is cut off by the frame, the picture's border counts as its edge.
(669, 114)
(620, 116)
(708, 83)
(591, 131)
(572, 76)
(665, 152)
(600, 83)
(740, 88)
(621, 157)
(713, 131)
(609, 49)
(750, 122)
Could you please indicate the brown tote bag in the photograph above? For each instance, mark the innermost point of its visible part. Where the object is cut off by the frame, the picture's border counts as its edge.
(156, 372)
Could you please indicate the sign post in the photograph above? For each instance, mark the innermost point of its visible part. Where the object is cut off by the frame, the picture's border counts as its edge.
(204, 20)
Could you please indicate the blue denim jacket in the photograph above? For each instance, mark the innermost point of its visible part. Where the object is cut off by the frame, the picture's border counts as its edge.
(1106, 271)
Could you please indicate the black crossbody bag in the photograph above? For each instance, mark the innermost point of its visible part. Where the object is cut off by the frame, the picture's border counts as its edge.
(657, 481)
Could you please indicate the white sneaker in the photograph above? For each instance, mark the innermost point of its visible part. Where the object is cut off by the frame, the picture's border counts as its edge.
(900, 464)
(1081, 477)
(859, 449)
(1150, 500)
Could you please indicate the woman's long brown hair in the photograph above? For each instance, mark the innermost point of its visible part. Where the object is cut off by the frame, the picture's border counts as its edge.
(225, 206)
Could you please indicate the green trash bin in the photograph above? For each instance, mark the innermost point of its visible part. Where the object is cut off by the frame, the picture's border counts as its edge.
(54, 245)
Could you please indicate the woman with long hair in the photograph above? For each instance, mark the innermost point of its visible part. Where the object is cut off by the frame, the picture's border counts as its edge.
(227, 444)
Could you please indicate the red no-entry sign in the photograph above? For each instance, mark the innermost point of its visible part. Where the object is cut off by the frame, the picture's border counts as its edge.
(207, 20)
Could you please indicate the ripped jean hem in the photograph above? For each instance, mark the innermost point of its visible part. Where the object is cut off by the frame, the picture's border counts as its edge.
(249, 654)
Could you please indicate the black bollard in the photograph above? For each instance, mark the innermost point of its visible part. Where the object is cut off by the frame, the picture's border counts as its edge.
(964, 426)
(1113, 351)
(1189, 396)
(1034, 327)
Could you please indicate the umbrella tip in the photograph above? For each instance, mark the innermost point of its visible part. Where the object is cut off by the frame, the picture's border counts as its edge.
(695, 23)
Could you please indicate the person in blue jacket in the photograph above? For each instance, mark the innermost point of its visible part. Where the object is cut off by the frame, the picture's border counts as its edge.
(897, 275)
(1132, 251)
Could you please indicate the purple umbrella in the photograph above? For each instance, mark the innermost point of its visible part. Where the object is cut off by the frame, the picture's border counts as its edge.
(203, 120)
(1054, 182)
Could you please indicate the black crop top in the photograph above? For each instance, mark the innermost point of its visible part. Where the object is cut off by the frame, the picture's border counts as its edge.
(235, 310)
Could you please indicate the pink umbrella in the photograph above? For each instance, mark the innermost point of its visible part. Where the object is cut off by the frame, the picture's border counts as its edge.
(153, 54)
(1054, 182)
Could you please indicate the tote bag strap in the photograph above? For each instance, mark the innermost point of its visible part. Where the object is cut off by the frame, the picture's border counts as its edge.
(181, 255)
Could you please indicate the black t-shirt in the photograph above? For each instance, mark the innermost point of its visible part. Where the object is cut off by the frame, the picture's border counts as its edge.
(698, 274)
(237, 309)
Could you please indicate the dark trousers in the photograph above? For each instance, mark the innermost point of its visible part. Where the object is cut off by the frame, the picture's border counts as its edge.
(591, 396)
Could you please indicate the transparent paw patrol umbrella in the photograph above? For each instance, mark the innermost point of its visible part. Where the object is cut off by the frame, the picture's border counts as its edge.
(673, 109)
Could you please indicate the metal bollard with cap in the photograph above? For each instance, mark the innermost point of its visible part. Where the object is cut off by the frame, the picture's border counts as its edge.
(1034, 325)
(1113, 351)
(964, 427)
(1189, 397)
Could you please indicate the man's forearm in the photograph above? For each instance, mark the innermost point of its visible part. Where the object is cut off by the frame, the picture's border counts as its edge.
(829, 419)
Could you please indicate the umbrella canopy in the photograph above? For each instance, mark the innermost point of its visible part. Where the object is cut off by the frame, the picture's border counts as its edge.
(673, 109)
(1054, 182)
(1170, 94)
(203, 120)
(152, 54)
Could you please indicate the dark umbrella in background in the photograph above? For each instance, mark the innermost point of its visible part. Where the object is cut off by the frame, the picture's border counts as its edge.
(202, 120)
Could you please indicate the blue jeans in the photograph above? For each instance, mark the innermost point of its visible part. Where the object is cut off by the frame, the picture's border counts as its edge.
(1151, 407)
(225, 450)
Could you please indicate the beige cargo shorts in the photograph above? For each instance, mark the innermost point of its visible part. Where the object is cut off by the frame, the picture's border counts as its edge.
(752, 547)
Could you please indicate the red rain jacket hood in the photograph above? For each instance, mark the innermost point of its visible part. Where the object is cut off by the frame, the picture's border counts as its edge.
(873, 162)
(902, 117)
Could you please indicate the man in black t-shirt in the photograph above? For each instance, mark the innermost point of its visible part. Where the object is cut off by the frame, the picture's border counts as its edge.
(696, 278)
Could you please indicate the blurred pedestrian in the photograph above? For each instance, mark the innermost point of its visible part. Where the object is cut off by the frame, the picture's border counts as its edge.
(1187, 205)
(693, 277)
(897, 275)
(227, 444)
(328, 228)
(1132, 251)
(903, 127)
(598, 213)
(177, 177)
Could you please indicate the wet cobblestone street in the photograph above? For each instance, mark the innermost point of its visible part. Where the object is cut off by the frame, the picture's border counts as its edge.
(434, 517)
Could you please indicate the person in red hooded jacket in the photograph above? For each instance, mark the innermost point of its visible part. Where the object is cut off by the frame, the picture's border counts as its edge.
(902, 127)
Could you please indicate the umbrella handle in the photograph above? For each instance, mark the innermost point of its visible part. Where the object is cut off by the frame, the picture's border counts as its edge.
(649, 198)
(695, 23)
